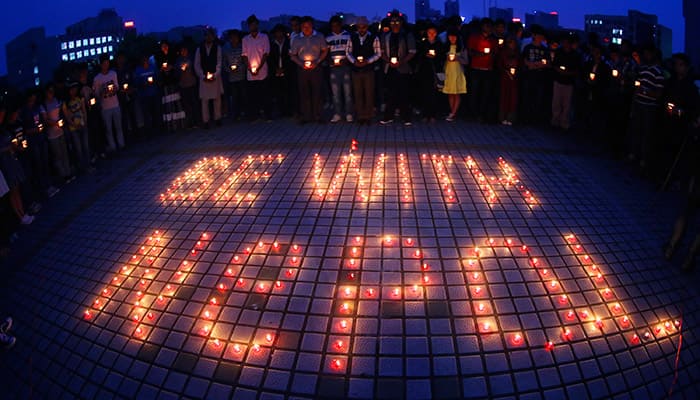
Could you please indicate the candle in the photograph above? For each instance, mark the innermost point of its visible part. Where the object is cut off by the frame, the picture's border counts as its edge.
(512, 71)
(235, 67)
(184, 67)
(451, 56)
(544, 61)
(60, 123)
(563, 68)
(637, 83)
(210, 76)
(487, 50)
(126, 86)
(431, 52)
(591, 76)
(165, 65)
(360, 59)
(500, 41)
(93, 101)
(394, 60)
(615, 73)
(307, 64)
(110, 88)
(254, 70)
(336, 60)
(150, 79)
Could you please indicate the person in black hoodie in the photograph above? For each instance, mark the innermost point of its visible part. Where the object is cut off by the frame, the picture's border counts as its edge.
(431, 57)
(280, 64)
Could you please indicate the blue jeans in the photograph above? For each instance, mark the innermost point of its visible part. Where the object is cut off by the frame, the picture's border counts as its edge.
(113, 124)
(341, 86)
(81, 150)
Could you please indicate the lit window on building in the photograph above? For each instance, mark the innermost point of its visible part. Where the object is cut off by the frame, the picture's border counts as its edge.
(98, 40)
(36, 70)
(37, 81)
(72, 56)
(80, 54)
(71, 44)
(99, 50)
(104, 39)
(92, 52)
(104, 49)
(92, 41)
(64, 45)
(111, 49)
(109, 38)
(64, 57)
(85, 42)
(77, 43)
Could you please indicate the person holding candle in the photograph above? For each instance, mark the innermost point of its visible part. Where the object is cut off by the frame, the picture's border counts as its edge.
(187, 82)
(455, 81)
(308, 51)
(644, 116)
(508, 66)
(280, 65)
(235, 73)
(340, 78)
(148, 99)
(535, 78)
(173, 114)
(38, 148)
(597, 76)
(75, 113)
(566, 67)
(430, 72)
(398, 49)
(125, 76)
(363, 51)
(482, 46)
(207, 67)
(256, 49)
(51, 115)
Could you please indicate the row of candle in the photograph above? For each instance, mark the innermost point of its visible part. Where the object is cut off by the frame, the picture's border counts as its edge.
(440, 168)
(486, 189)
(511, 178)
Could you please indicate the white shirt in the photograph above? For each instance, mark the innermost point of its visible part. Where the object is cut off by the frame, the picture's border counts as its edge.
(106, 87)
(254, 48)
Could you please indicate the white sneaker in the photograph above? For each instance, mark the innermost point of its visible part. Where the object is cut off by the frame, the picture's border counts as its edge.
(386, 121)
(336, 118)
(349, 118)
(504, 122)
(450, 118)
(26, 220)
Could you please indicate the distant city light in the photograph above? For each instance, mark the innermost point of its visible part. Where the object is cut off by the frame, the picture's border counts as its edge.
(129, 24)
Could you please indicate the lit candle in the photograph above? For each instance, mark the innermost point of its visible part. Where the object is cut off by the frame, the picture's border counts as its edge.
(165, 65)
(150, 80)
(615, 73)
(500, 41)
(637, 83)
(235, 67)
(210, 76)
(360, 59)
(487, 50)
(184, 67)
(591, 76)
(452, 56)
(394, 60)
(126, 86)
(336, 60)
(307, 64)
(60, 123)
(93, 101)
(562, 67)
(512, 71)
(431, 52)
(254, 70)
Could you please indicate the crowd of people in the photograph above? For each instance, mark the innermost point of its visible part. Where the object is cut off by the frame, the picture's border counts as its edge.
(631, 99)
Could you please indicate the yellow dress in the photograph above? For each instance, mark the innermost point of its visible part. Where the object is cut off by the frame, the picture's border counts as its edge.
(455, 81)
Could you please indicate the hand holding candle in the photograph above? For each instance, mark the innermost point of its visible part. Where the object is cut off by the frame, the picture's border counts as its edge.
(360, 59)
(452, 56)
(431, 52)
(307, 64)
(210, 76)
(615, 73)
(487, 50)
(394, 60)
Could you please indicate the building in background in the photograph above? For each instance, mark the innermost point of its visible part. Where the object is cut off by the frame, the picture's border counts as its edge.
(452, 8)
(547, 20)
(691, 13)
(425, 13)
(88, 39)
(637, 27)
(179, 34)
(505, 14)
(32, 58)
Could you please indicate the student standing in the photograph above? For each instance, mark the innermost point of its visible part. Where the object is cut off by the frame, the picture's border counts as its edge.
(207, 66)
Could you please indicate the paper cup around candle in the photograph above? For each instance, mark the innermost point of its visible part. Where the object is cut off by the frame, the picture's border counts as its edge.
(451, 57)
(591, 76)
(512, 71)
(500, 42)
(615, 73)
(307, 64)
(637, 83)
(126, 86)
(60, 123)
(431, 52)
(360, 59)
(150, 79)
(394, 60)
(93, 101)
(165, 65)
(487, 50)
(336, 60)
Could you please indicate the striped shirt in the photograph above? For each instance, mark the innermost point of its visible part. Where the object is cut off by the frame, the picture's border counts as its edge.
(651, 79)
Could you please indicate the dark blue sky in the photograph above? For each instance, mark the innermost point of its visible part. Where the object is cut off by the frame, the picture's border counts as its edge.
(17, 16)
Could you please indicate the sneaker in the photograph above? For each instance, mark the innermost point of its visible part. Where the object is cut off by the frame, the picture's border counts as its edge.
(26, 220)
(504, 122)
(6, 325)
(7, 341)
(349, 118)
(336, 118)
(386, 121)
(450, 118)
(52, 191)
(408, 123)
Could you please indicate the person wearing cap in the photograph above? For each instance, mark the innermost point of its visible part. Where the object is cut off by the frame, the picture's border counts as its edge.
(340, 79)
(256, 49)
(398, 49)
(308, 52)
(207, 66)
(362, 52)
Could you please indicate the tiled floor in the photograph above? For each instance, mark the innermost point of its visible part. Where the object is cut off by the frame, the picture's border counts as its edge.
(271, 260)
